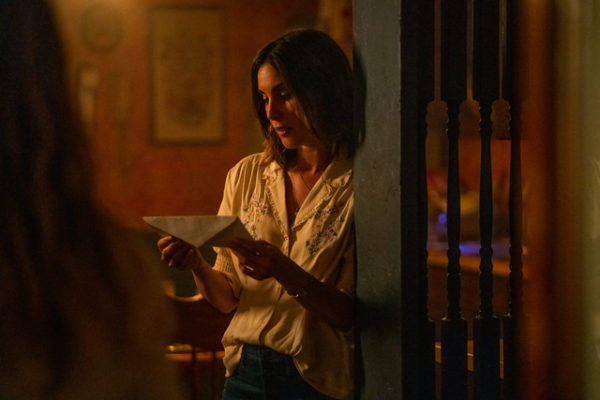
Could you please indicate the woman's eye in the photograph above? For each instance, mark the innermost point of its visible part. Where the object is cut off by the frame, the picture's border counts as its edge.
(285, 95)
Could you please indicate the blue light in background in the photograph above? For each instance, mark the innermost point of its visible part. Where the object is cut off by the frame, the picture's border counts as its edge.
(442, 219)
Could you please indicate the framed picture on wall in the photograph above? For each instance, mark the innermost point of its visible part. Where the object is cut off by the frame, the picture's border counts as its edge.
(187, 82)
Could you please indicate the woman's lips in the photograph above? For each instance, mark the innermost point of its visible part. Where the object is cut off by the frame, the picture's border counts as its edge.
(282, 130)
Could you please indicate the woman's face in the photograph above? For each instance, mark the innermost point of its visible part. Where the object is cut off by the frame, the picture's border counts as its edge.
(283, 110)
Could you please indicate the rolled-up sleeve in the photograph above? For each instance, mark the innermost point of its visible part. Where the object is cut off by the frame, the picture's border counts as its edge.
(225, 259)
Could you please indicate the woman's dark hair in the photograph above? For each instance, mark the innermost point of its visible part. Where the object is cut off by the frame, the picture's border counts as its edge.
(317, 72)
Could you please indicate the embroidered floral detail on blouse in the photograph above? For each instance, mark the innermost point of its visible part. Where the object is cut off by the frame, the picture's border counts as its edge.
(252, 214)
(325, 229)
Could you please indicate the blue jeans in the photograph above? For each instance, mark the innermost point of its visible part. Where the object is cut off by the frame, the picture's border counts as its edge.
(264, 374)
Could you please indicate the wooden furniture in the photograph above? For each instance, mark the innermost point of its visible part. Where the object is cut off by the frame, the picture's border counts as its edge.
(197, 340)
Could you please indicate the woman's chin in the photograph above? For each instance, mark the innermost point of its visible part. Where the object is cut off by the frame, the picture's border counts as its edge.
(289, 144)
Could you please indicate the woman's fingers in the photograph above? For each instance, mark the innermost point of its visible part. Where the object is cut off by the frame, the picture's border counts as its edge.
(178, 254)
(189, 259)
(257, 274)
(243, 251)
(252, 249)
(174, 253)
(164, 242)
(247, 253)
(258, 259)
(244, 246)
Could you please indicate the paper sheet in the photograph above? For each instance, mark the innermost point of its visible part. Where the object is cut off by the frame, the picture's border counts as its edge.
(199, 230)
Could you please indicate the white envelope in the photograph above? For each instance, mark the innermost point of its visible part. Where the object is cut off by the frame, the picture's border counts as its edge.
(199, 230)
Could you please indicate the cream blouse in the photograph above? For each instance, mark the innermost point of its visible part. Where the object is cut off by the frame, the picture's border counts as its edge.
(321, 240)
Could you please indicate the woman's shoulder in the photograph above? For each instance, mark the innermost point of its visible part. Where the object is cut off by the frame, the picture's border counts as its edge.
(340, 172)
(250, 161)
(251, 164)
(249, 168)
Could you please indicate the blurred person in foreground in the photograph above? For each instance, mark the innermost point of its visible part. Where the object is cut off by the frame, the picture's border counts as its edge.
(292, 287)
(82, 317)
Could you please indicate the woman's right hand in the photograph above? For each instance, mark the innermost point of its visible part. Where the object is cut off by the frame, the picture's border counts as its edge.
(179, 254)
(211, 284)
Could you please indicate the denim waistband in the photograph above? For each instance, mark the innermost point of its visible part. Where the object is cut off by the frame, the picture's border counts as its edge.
(264, 373)
(268, 360)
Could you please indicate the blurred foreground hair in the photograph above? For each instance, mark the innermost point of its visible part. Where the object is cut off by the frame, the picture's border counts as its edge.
(82, 316)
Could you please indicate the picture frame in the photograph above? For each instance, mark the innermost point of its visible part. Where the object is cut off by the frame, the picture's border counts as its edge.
(187, 75)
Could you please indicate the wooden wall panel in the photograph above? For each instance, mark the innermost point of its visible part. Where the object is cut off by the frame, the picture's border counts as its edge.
(134, 176)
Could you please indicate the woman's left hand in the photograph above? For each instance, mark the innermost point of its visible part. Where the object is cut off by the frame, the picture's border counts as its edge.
(259, 259)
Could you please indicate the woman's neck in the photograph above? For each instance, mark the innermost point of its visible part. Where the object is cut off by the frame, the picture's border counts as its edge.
(311, 159)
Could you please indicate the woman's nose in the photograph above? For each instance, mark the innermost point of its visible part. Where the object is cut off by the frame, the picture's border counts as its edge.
(273, 110)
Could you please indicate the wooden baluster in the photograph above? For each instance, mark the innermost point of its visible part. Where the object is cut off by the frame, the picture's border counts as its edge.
(486, 326)
(418, 330)
(514, 317)
(426, 384)
(454, 327)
